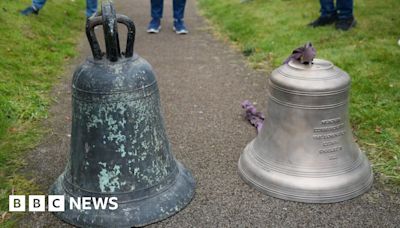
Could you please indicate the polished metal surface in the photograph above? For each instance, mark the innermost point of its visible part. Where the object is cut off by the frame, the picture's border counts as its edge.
(305, 151)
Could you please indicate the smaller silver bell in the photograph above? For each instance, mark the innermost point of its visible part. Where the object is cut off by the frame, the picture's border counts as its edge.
(305, 151)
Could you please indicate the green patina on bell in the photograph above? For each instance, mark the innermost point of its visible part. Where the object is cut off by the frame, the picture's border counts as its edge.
(119, 147)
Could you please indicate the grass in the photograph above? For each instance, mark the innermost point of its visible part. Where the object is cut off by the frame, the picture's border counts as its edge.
(33, 51)
(267, 31)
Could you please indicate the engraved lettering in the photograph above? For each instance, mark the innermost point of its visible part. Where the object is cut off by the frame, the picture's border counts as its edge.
(331, 121)
(332, 157)
(328, 129)
(329, 143)
(330, 150)
(329, 136)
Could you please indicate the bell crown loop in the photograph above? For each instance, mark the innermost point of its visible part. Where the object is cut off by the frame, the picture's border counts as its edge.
(109, 21)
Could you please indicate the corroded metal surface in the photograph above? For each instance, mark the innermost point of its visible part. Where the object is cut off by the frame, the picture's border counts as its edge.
(305, 150)
(119, 147)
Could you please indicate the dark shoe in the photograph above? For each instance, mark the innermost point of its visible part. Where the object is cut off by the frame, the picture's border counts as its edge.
(322, 21)
(180, 27)
(29, 10)
(154, 26)
(345, 24)
(95, 14)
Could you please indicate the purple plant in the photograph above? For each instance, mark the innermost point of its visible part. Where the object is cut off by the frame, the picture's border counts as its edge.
(255, 118)
(304, 55)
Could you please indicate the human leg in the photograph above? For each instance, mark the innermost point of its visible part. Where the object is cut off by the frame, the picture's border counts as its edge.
(34, 8)
(345, 15)
(156, 14)
(157, 8)
(91, 7)
(38, 4)
(179, 11)
(328, 14)
(327, 8)
(344, 9)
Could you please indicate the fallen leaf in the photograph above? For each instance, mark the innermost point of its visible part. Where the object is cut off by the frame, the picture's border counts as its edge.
(378, 129)
(3, 216)
(12, 130)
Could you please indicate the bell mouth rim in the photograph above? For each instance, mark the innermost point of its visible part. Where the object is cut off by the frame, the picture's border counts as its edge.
(315, 65)
(287, 186)
(184, 182)
(313, 198)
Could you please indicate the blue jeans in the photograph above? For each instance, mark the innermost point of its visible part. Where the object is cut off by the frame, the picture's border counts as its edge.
(91, 6)
(344, 8)
(158, 5)
(38, 4)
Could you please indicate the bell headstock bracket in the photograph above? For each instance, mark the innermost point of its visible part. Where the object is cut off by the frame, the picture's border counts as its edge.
(109, 20)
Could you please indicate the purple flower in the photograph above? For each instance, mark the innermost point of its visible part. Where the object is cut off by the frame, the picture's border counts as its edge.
(255, 118)
(304, 55)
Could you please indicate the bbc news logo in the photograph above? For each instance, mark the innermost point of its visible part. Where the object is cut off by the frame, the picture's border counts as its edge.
(56, 203)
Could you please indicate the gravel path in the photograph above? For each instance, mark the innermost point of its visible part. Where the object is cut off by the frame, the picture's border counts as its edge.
(202, 82)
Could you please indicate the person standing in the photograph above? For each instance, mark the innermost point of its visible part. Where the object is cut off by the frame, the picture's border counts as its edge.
(37, 5)
(342, 14)
(157, 12)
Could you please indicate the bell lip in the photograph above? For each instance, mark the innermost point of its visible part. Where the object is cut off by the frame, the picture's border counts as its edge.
(285, 192)
(185, 183)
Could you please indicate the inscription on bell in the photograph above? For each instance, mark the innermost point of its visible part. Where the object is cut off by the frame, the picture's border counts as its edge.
(328, 129)
(330, 147)
(332, 156)
(329, 143)
(329, 136)
(330, 150)
(331, 121)
(331, 166)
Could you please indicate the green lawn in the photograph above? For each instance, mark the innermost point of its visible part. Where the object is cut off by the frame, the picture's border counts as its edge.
(33, 51)
(267, 32)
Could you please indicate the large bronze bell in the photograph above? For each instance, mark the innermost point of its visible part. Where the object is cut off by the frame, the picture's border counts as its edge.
(119, 147)
(305, 151)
